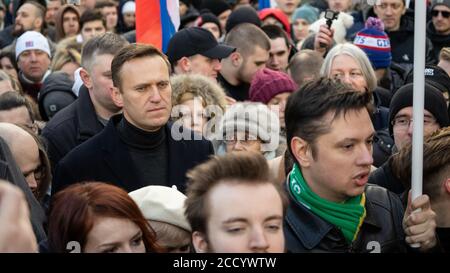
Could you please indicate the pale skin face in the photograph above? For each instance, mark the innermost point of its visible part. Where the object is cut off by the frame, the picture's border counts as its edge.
(269, 20)
(114, 235)
(18, 115)
(111, 17)
(70, 23)
(341, 166)
(27, 19)
(347, 70)
(52, 8)
(100, 85)
(213, 28)
(288, 6)
(8, 67)
(301, 29)
(70, 68)
(223, 17)
(145, 93)
(403, 135)
(278, 103)
(243, 141)
(205, 66)
(34, 63)
(441, 24)
(92, 29)
(195, 119)
(239, 224)
(129, 18)
(26, 155)
(278, 55)
(340, 5)
(251, 64)
(390, 12)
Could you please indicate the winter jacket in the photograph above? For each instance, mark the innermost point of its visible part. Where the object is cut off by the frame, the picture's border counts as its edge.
(106, 157)
(381, 230)
(384, 177)
(56, 93)
(439, 41)
(71, 126)
(402, 44)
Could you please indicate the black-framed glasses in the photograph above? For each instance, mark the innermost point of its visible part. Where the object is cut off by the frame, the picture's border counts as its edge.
(445, 14)
(402, 123)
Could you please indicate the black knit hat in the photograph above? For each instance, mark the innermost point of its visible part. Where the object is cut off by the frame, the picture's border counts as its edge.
(434, 103)
(434, 75)
(216, 6)
(244, 14)
(208, 17)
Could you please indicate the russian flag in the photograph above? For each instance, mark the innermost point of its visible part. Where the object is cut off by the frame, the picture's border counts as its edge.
(156, 22)
(264, 4)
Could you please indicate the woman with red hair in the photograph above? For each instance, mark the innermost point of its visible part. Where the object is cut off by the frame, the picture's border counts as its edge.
(98, 217)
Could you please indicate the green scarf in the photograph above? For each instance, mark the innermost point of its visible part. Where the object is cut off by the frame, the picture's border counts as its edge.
(347, 216)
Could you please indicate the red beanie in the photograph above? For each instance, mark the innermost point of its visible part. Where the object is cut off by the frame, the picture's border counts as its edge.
(268, 83)
(277, 14)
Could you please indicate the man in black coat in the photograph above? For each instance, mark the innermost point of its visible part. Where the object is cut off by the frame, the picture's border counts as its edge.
(399, 26)
(89, 114)
(332, 208)
(139, 147)
(438, 28)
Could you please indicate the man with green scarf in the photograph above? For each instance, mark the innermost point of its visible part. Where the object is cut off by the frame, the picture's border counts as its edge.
(332, 208)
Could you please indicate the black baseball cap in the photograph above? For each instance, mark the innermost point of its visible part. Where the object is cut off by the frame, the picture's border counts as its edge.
(195, 40)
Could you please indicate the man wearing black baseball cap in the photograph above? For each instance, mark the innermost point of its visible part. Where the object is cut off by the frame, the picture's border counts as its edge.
(195, 50)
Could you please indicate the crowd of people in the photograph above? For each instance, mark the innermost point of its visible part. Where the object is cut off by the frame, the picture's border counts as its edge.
(258, 130)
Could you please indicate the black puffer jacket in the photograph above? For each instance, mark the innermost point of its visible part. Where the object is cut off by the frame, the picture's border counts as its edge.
(381, 230)
(384, 177)
(439, 41)
(402, 44)
(56, 93)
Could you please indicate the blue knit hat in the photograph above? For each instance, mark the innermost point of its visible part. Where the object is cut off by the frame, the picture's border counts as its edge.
(375, 43)
(307, 12)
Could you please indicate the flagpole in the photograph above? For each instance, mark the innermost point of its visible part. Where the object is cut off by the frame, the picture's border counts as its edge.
(418, 99)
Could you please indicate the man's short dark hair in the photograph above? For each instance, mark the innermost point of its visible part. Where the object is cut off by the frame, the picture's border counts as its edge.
(131, 52)
(90, 16)
(275, 32)
(105, 3)
(239, 168)
(108, 43)
(13, 99)
(246, 37)
(306, 109)
(305, 58)
(41, 7)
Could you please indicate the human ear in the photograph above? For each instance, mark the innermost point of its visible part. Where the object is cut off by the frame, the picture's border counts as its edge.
(86, 78)
(447, 186)
(116, 96)
(185, 64)
(199, 241)
(301, 151)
